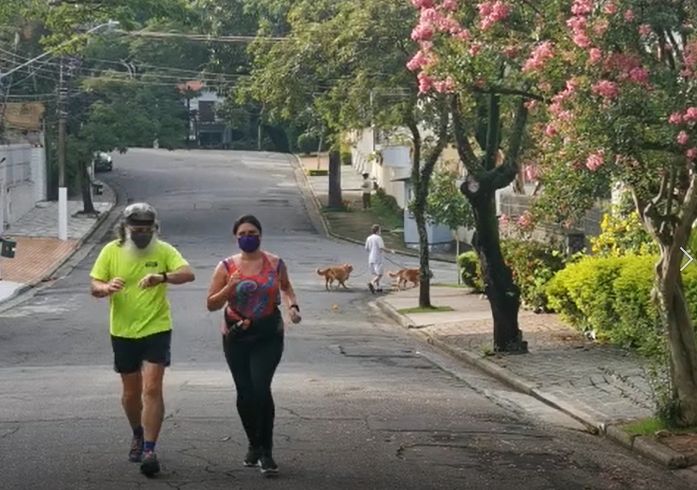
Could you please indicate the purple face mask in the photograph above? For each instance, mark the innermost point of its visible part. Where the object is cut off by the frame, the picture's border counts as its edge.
(249, 243)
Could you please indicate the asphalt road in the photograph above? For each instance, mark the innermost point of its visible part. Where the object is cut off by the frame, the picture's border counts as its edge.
(360, 404)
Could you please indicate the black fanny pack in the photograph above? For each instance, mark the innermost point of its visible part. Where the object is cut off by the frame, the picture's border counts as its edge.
(247, 329)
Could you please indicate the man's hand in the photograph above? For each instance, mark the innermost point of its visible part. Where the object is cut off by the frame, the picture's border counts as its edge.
(114, 286)
(151, 280)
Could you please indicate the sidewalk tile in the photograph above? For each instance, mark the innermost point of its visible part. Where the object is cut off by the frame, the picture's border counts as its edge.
(34, 258)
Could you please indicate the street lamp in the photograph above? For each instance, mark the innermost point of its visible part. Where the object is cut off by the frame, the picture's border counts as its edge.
(111, 25)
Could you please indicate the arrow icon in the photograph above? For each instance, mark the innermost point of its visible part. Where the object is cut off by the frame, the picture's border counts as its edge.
(688, 256)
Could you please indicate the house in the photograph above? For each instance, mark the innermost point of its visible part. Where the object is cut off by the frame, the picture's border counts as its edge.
(206, 128)
(22, 162)
(386, 156)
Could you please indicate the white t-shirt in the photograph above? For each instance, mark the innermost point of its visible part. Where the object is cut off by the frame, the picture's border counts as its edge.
(374, 246)
(366, 186)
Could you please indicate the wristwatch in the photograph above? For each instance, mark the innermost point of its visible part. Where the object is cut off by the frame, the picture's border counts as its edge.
(296, 307)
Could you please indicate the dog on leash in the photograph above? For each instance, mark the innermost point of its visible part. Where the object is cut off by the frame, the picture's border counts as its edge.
(406, 275)
(338, 273)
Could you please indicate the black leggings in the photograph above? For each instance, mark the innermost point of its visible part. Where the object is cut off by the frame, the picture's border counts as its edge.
(253, 364)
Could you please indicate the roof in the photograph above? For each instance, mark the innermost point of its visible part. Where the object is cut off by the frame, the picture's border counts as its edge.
(191, 86)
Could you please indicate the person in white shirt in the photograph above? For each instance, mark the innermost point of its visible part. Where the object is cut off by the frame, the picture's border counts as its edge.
(376, 248)
(366, 187)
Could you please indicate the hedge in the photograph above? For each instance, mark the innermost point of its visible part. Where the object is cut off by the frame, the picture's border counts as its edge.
(612, 296)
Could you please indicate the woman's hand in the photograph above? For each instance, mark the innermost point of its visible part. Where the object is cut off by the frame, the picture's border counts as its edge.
(295, 315)
(234, 279)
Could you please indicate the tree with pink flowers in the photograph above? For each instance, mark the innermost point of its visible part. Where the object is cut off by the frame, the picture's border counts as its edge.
(621, 105)
(483, 54)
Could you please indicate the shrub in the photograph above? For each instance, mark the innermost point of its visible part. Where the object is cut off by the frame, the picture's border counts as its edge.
(307, 143)
(622, 235)
(533, 265)
(582, 293)
(346, 158)
(612, 296)
(468, 264)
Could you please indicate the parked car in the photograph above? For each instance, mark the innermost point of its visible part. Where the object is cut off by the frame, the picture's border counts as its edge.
(103, 162)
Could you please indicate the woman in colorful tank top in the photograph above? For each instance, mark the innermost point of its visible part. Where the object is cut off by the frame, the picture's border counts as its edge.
(251, 287)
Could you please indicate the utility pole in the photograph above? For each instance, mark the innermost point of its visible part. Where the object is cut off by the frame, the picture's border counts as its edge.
(62, 122)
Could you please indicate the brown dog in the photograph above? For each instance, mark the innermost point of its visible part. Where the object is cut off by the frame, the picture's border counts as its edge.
(406, 275)
(339, 273)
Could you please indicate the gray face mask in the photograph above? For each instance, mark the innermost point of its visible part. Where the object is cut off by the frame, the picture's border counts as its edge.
(141, 239)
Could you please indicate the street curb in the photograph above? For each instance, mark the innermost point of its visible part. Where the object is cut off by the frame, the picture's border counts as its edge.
(306, 187)
(644, 446)
(80, 243)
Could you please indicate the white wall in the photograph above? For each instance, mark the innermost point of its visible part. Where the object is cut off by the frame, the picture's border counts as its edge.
(22, 181)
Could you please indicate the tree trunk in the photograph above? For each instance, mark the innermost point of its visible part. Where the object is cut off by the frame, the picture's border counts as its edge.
(501, 291)
(85, 185)
(335, 200)
(424, 267)
(681, 334)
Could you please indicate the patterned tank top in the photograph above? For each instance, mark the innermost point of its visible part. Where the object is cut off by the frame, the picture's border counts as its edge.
(255, 296)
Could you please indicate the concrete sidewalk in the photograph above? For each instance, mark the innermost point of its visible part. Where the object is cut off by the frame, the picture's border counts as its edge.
(602, 386)
(39, 252)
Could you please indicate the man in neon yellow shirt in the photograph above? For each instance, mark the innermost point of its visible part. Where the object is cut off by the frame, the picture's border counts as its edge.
(133, 272)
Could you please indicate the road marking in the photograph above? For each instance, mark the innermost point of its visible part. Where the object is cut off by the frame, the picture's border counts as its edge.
(688, 256)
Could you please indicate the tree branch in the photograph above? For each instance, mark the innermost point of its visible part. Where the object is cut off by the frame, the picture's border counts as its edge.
(464, 149)
(493, 133)
(442, 138)
(506, 91)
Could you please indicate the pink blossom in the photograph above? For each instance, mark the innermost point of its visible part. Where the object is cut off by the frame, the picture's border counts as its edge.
(525, 221)
(511, 51)
(531, 104)
(425, 82)
(606, 89)
(577, 24)
(582, 7)
(639, 75)
(595, 160)
(550, 130)
(493, 12)
(429, 15)
(422, 4)
(691, 154)
(675, 119)
(504, 220)
(422, 32)
(601, 27)
(445, 86)
(464, 35)
(565, 116)
(581, 40)
(629, 15)
(475, 49)
(683, 138)
(539, 57)
(595, 55)
(450, 5)
(690, 115)
(419, 61)
(531, 173)
(610, 8)
(645, 30)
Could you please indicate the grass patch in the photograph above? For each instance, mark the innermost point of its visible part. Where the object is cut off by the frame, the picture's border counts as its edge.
(317, 173)
(435, 309)
(649, 426)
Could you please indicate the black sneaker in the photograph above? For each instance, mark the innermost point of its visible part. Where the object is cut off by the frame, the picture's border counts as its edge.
(268, 466)
(371, 287)
(135, 455)
(252, 457)
(150, 465)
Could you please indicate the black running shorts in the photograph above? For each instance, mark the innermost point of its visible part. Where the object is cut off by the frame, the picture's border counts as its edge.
(129, 354)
